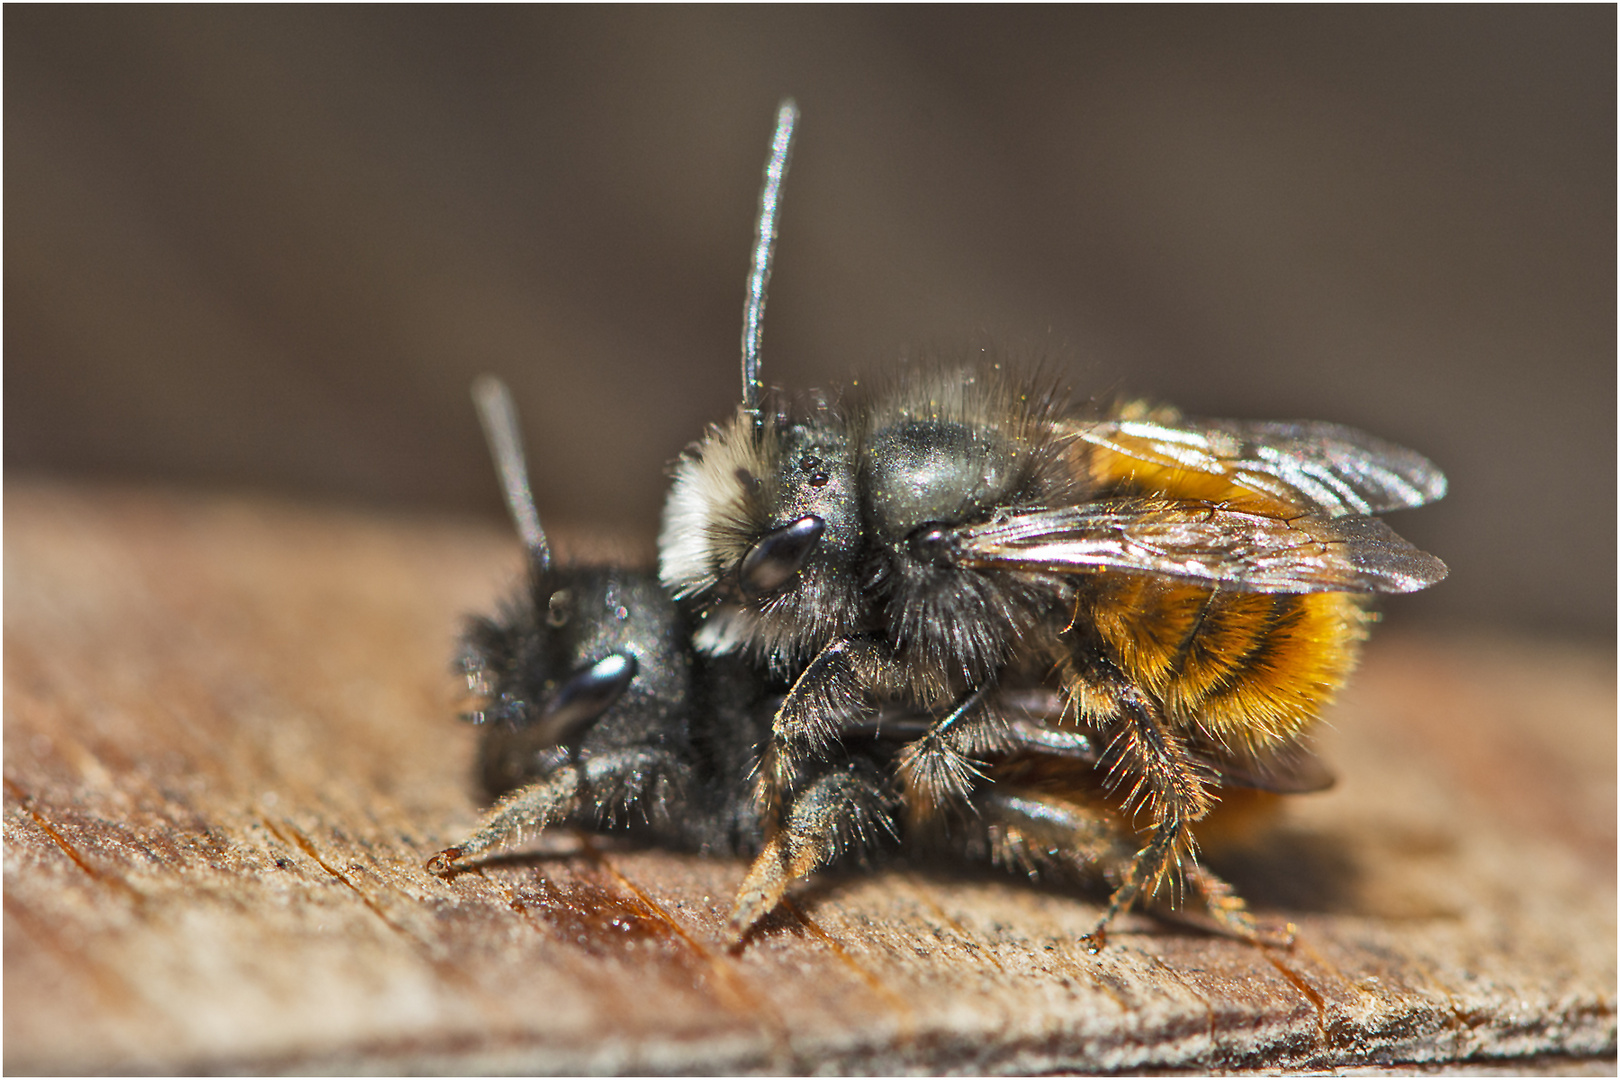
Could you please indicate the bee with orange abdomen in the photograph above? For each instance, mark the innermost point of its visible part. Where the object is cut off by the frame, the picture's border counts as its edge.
(1193, 591)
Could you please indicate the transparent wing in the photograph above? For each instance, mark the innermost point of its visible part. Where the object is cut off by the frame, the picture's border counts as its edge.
(1201, 541)
(1310, 465)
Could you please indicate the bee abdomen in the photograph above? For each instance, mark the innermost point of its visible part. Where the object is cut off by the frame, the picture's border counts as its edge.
(1250, 669)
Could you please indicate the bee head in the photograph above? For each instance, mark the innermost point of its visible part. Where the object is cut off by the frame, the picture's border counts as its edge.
(762, 531)
(581, 657)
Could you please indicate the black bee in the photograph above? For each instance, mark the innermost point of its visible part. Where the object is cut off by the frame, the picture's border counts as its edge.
(1194, 590)
(595, 708)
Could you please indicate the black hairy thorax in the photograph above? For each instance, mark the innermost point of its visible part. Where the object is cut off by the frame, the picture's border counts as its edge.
(950, 626)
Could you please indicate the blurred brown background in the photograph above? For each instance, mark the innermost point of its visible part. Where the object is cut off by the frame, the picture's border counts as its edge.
(269, 247)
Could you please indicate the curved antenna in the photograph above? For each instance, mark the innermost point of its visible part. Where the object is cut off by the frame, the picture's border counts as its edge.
(498, 416)
(759, 269)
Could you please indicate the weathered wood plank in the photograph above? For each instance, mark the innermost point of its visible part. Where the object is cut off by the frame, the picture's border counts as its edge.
(229, 749)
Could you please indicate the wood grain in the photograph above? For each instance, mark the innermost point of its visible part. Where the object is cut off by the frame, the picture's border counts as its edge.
(230, 746)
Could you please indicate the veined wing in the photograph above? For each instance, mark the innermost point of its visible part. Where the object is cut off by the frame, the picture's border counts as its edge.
(1201, 541)
(1309, 465)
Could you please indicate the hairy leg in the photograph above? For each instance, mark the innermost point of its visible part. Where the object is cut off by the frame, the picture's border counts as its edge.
(847, 808)
(832, 695)
(939, 769)
(1032, 832)
(604, 788)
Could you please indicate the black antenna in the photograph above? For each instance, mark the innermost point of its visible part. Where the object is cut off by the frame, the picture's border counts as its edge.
(759, 269)
(498, 416)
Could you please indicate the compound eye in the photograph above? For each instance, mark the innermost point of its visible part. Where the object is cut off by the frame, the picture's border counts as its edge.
(586, 695)
(777, 557)
(931, 543)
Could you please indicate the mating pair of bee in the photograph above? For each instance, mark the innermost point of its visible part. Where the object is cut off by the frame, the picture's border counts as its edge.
(945, 611)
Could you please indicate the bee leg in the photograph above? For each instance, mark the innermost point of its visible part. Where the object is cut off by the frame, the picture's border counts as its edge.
(548, 801)
(1229, 914)
(604, 787)
(829, 696)
(1031, 832)
(1144, 751)
(937, 769)
(848, 807)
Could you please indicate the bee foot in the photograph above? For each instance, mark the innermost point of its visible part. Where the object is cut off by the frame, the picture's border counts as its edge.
(443, 864)
(1277, 938)
(760, 892)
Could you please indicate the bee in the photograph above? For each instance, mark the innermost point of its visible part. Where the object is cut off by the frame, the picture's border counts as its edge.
(1193, 591)
(596, 710)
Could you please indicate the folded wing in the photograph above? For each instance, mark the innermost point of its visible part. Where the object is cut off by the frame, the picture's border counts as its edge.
(1308, 465)
(1195, 540)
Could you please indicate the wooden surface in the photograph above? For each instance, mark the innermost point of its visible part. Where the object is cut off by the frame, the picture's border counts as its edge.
(230, 746)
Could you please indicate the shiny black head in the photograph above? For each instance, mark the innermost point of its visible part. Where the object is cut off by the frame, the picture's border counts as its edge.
(763, 532)
(582, 660)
